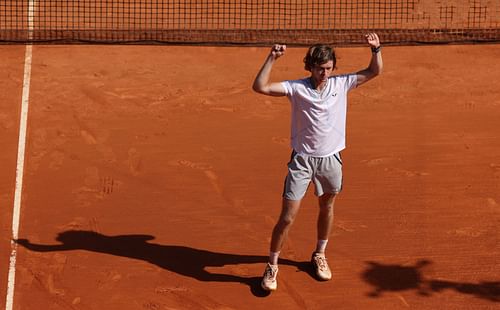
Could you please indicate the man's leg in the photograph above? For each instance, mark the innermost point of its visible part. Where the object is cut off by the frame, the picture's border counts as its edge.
(324, 226)
(289, 211)
(325, 217)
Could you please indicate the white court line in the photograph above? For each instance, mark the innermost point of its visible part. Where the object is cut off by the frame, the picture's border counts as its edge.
(23, 124)
(19, 178)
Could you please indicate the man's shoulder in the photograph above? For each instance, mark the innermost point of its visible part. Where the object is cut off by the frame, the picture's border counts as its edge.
(301, 81)
(297, 85)
(342, 76)
(348, 80)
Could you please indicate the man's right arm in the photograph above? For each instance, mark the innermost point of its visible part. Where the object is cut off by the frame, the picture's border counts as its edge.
(261, 83)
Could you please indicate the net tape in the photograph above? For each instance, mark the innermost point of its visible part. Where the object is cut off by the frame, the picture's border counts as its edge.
(257, 22)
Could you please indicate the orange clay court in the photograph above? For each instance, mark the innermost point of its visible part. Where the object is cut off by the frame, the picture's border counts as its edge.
(153, 178)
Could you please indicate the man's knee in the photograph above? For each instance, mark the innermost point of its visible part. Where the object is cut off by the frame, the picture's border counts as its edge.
(326, 201)
(286, 220)
(288, 213)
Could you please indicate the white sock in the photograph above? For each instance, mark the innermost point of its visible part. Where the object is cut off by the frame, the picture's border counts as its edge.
(273, 257)
(321, 246)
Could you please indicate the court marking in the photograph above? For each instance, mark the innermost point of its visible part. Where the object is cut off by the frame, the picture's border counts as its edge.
(19, 177)
(21, 148)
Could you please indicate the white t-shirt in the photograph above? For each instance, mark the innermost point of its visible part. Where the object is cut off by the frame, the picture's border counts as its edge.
(319, 117)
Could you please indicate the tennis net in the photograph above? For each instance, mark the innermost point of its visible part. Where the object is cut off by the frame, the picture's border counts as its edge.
(254, 22)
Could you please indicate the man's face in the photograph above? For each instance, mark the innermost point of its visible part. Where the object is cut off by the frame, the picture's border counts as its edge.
(320, 73)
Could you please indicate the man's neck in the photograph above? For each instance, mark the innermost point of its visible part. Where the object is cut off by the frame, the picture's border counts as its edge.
(319, 86)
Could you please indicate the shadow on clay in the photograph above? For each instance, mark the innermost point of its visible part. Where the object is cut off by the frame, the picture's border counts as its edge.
(183, 260)
(395, 278)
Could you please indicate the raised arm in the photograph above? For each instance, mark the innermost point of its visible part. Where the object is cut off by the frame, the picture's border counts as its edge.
(376, 65)
(261, 83)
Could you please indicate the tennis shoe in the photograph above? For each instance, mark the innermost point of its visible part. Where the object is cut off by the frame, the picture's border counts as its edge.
(269, 281)
(320, 265)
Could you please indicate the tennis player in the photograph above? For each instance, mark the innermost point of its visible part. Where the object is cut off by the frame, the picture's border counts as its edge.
(318, 114)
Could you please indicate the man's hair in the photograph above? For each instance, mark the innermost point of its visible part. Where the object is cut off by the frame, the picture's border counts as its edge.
(319, 54)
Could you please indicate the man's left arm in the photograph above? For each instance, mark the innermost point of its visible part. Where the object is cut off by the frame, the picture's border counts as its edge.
(376, 65)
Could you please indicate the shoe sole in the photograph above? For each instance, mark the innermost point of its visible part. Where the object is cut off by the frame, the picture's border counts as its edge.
(317, 275)
(323, 279)
(268, 289)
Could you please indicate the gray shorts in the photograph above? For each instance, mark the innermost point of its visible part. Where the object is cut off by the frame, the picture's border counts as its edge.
(324, 172)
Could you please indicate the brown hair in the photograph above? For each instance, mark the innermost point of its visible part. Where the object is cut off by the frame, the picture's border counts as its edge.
(319, 54)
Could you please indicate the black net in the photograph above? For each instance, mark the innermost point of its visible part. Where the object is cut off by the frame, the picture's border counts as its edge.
(301, 22)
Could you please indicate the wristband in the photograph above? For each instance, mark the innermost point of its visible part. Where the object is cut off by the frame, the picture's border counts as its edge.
(377, 49)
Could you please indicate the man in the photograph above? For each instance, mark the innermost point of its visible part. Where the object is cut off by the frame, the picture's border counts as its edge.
(318, 107)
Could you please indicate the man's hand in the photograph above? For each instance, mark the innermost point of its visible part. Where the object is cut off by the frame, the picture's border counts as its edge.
(278, 50)
(372, 39)
(376, 64)
(261, 84)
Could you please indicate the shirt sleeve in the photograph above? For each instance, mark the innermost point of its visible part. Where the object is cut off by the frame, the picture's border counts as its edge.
(351, 81)
(288, 87)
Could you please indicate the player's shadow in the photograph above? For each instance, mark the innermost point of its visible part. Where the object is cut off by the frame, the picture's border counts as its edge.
(183, 260)
(393, 278)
